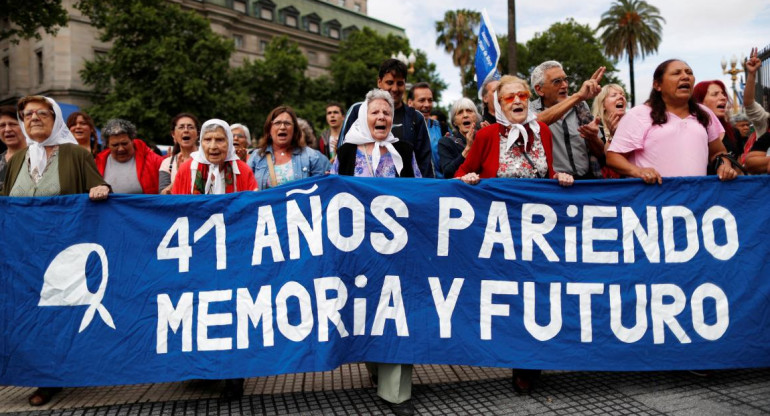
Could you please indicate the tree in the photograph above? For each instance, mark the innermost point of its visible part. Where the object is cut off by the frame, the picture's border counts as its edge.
(574, 46)
(163, 61)
(25, 17)
(457, 34)
(356, 66)
(631, 28)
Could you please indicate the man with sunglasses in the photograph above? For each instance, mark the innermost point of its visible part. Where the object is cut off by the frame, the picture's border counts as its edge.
(575, 131)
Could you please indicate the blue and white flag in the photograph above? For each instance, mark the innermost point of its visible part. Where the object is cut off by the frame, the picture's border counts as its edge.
(487, 52)
(522, 273)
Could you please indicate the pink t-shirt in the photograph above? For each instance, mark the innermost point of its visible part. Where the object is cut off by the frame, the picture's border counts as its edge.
(677, 148)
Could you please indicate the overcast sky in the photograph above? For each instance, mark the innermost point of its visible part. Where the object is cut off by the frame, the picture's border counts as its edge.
(700, 32)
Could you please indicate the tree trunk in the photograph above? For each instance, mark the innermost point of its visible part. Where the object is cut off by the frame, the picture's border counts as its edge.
(512, 61)
(631, 76)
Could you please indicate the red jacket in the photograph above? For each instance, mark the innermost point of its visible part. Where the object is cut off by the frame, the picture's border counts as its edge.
(484, 156)
(147, 165)
(244, 181)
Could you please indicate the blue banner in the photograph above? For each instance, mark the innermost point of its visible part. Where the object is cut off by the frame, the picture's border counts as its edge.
(604, 275)
(487, 52)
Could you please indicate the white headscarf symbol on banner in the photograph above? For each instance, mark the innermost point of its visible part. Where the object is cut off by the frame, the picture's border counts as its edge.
(60, 134)
(198, 156)
(359, 134)
(64, 283)
(516, 129)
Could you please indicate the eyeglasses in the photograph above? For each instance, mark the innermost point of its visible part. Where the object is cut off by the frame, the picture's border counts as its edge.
(26, 115)
(556, 82)
(185, 127)
(239, 136)
(279, 123)
(523, 96)
(9, 125)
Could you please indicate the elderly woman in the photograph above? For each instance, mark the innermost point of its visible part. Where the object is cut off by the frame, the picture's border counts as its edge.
(128, 164)
(214, 169)
(670, 134)
(51, 164)
(184, 131)
(241, 141)
(282, 156)
(517, 146)
(82, 127)
(713, 95)
(453, 149)
(11, 136)
(371, 150)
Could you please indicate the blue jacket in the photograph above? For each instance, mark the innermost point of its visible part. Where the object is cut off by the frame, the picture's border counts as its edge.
(306, 162)
(415, 133)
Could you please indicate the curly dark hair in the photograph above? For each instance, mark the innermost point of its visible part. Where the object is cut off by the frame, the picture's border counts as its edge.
(658, 106)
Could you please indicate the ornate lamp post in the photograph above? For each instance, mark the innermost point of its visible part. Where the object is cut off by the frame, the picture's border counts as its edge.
(733, 72)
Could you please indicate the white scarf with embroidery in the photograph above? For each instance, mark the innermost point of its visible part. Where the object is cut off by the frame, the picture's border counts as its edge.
(515, 128)
(359, 133)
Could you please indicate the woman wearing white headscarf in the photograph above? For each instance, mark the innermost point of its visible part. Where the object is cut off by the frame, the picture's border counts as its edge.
(517, 146)
(370, 149)
(53, 163)
(214, 168)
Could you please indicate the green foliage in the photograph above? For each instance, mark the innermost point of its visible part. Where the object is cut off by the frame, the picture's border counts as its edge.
(25, 17)
(574, 46)
(457, 34)
(632, 28)
(163, 61)
(356, 67)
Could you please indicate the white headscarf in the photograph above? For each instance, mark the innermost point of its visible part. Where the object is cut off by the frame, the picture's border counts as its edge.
(360, 134)
(214, 178)
(60, 134)
(516, 129)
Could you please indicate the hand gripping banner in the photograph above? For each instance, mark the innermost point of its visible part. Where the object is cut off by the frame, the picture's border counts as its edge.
(604, 275)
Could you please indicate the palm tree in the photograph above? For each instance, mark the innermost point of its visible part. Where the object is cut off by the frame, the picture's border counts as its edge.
(632, 28)
(457, 34)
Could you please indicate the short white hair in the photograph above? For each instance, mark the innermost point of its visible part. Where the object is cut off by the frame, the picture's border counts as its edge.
(463, 104)
(538, 74)
(378, 94)
(245, 131)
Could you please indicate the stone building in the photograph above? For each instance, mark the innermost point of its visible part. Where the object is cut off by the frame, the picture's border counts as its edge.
(50, 66)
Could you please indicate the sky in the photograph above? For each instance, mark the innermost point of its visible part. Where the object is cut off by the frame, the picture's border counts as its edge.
(700, 32)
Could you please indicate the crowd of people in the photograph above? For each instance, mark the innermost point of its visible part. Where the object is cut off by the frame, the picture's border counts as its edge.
(533, 129)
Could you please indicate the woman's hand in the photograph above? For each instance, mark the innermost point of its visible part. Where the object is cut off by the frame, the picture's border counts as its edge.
(753, 63)
(612, 123)
(99, 193)
(648, 175)
(565, 179)
(166, 190)
(725, 171)
(471, 178)
(469, 138)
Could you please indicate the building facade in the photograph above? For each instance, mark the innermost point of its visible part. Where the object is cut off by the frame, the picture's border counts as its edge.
(50, 66)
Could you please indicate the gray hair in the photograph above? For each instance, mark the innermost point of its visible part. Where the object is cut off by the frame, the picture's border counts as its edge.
(738, 118)
(484, 86)
(245, 131)
(538, 74)
(307, 131)
(118, 126)
(378, 94)
(463, 104)
(212, 127)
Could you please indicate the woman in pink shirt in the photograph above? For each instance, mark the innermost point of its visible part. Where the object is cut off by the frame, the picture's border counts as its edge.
(670, 134)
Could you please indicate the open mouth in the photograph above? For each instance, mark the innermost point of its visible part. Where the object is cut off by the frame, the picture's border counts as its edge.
(518, 110)
(283, 135)
(620, 104)
(379, 127)
(186, 138)
(467, 123)
(721, 106)
(685, 86)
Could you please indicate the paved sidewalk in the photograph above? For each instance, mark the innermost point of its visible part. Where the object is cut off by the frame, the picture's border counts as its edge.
(438, 390)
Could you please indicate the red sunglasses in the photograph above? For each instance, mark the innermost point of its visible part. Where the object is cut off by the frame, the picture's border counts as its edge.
(523, 96)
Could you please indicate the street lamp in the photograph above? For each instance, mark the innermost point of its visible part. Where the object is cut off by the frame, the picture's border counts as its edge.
(733, 72)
